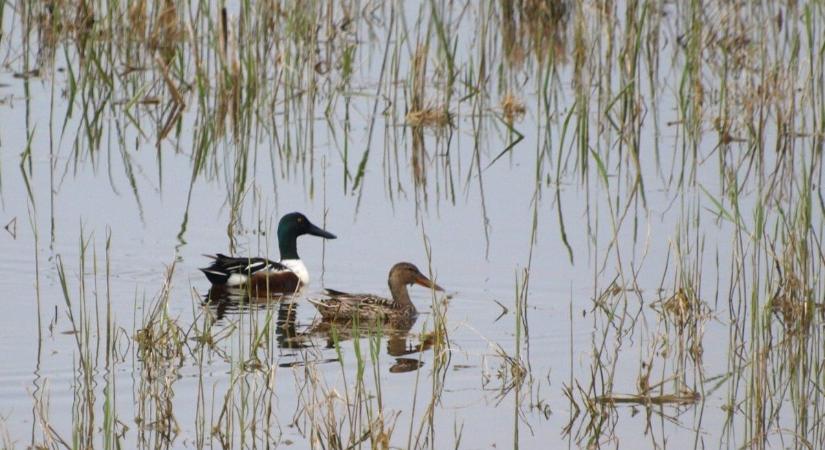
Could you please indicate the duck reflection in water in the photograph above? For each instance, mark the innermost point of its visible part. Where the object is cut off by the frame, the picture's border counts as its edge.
(224, 301)
(400, 342)
(322, 333)
(391, 318)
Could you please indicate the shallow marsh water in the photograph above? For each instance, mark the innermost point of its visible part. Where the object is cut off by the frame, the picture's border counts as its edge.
(635, 262)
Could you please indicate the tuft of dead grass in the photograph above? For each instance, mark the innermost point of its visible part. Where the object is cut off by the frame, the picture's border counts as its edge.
(138, 18)
(790, 305)
(533, 25)
(430, 117)
(167, 31)
(684, 308)
(512, 108)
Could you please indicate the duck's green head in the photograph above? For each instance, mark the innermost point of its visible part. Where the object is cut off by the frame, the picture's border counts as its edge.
(293, 225)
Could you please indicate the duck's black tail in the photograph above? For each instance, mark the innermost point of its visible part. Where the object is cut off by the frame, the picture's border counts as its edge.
(216, 273)
(215, 276)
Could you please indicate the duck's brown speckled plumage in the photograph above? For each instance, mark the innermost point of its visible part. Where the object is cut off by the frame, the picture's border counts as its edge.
(342, 306)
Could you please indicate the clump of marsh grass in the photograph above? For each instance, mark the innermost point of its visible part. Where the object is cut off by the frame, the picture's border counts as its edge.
(339, 417)
(512, 108)
(422, 113)
(533, 25)
(430, 117)
(793, 302)
(790, 304)
(683, 308)
(509, 374)
(160, 346)
(167, 31)
(230, 79)
(95, 418)
(138, 17)
(160, 339)
(417, 116)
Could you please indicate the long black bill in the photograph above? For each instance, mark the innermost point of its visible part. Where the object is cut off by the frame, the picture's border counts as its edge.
(315, 231)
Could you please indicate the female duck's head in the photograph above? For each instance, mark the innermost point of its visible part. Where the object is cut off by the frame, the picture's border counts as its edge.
(404, 273)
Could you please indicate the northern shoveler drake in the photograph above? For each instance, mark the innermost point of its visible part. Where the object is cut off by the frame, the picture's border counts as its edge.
(261, 275)
(342, 306)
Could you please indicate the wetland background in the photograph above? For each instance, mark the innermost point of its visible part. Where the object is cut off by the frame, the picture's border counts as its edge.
(622, 199)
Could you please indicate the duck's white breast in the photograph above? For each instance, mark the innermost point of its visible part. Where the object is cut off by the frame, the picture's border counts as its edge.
(297, 266)
(236, 279)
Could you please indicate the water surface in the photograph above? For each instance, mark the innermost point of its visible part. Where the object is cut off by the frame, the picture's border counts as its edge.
(614, 258)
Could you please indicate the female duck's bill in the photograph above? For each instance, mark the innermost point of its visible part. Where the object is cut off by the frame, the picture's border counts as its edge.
(341, 306)
(261, 275)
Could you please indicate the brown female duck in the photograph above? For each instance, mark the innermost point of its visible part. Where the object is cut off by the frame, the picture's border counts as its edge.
(343, 306)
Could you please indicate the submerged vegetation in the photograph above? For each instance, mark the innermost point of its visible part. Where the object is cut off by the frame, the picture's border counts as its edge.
(670, 154)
